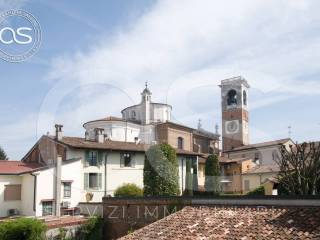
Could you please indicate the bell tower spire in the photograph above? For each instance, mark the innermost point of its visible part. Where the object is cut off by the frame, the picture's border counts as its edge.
(145, 101)
(234, 97)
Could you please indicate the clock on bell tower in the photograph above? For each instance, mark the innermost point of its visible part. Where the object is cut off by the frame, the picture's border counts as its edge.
(234, 98)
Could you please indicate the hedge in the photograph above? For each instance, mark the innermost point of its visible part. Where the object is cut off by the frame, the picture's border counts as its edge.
(22, 229)
(128, 190)
(259, 191)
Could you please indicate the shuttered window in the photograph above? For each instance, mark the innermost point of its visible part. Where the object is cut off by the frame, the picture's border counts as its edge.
(12, 192)
(127, 160)
(92, 181)
(93, 158)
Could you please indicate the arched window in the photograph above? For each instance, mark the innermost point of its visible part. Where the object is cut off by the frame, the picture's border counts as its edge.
(244, 98)
(133, 115)
(232, 97)
(180, 143)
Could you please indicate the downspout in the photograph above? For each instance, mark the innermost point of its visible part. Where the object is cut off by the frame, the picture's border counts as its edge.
(105, 173)
(58, 186)
(34, 191)
(182, 181)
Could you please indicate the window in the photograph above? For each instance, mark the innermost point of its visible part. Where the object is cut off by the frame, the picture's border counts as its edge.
(67, 189)
(47, 208)
(232, 97)
(126, 160)
(244, 97)
(92, 181)
(12, 192)
(133, 115)
(257, 156)
(180, 143)
(92, 158)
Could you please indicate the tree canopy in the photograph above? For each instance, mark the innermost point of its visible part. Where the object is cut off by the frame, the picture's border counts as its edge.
(161, 173)
(212, 174)
(299, 166)
(3, 155)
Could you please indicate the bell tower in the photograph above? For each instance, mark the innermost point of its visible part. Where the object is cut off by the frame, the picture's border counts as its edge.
(145, 101)
(235, 119)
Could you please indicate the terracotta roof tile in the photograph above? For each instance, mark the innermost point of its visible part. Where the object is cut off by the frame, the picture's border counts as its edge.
(234, 223)
(263, 144)
(77, 142)
(272, 168)
(17, 167)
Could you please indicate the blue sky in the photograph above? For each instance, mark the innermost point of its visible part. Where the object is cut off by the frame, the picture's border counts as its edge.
(95, 58)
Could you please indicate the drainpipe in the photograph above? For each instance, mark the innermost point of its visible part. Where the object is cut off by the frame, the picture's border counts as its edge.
(182, 175)
(34, 191)
(58, 185)
(105, 173)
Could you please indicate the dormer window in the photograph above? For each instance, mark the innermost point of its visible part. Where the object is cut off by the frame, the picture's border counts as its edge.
(232, 98)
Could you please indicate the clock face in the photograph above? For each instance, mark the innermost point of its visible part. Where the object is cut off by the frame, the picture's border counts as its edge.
(232, 126)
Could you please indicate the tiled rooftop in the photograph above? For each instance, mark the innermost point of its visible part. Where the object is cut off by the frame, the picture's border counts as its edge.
(259, 145)
(234, 223)
(271, 168)
(17, 167)
(77, 142)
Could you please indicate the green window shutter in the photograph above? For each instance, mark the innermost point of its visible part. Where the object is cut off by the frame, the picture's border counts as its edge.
(121, 160)
(86, 181)
(100, 157)
(133, 160)
(86, 158)
(100, 180)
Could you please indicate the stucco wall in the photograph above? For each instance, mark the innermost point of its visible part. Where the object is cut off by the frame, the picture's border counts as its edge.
(45, 188)
(27, 195)
(6, 205)
(255, 180)
(266, 154)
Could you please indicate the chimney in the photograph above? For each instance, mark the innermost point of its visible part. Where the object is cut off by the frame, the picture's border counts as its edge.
(57, 177)
(99, 135)
(59, 132)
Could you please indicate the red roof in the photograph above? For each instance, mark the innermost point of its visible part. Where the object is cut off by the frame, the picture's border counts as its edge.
(234, 223)
(17, 167)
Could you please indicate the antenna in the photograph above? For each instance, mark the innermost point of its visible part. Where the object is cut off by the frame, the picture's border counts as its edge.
(289, 131)
(217, 128)
(199, 124)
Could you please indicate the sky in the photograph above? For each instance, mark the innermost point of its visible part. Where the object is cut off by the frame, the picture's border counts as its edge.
(95, 58)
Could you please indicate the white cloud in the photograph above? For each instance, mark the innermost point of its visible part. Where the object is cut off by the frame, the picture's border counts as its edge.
(185, 47)
(180, 47)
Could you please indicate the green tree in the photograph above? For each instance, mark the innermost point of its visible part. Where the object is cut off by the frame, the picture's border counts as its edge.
(259, 191)
(189, 178)
(128, 190)
(195, 176)
(212, 174)
(160, 173)
(3, 155)
(22, 229)
(299, 166)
